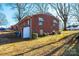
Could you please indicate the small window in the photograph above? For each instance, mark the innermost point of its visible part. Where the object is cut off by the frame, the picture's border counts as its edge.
(41, 20)
(28, 22)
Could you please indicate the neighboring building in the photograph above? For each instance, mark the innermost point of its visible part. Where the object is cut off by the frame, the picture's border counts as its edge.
(39, 23)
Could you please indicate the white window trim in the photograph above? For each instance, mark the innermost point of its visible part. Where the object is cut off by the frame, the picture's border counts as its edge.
(41, 20)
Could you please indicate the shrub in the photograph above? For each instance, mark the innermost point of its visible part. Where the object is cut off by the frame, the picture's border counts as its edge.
(59, 32)
(34, 35)
(52, 33)
(45, 34)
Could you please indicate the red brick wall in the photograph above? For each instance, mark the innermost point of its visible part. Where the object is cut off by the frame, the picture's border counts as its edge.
(47, 27)
(48, 23)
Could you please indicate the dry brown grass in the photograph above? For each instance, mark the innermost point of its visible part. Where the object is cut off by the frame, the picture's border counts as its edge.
(25, 46)
(7, 32)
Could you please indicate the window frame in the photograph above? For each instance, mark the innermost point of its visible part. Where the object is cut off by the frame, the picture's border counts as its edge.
(41, 21)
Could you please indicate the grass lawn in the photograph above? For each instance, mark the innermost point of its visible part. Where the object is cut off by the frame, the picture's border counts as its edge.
(25, 46)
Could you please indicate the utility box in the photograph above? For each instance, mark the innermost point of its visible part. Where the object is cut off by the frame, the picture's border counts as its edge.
(26, 32)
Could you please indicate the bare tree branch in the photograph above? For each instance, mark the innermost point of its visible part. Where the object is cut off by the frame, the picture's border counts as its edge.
(63, 11)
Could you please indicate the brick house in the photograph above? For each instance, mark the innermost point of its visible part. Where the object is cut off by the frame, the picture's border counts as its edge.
(39, 23)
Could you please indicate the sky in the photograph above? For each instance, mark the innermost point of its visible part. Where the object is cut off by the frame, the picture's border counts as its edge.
(9, 15)
(11, 21)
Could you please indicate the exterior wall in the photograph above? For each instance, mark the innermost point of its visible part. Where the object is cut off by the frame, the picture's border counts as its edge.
(48, 26)
(48, 23)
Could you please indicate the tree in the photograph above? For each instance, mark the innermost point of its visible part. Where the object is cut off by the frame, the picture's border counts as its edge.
(63, 10)
(22, 9)
(3, 20)
(41, 7)
(27, 9)
(75, 11)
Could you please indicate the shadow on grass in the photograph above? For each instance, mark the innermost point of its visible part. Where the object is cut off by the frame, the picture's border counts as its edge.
(74, 51)
(11, 38)
(53, 51)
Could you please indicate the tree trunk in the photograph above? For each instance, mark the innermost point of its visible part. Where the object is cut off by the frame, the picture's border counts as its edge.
(65, 23)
